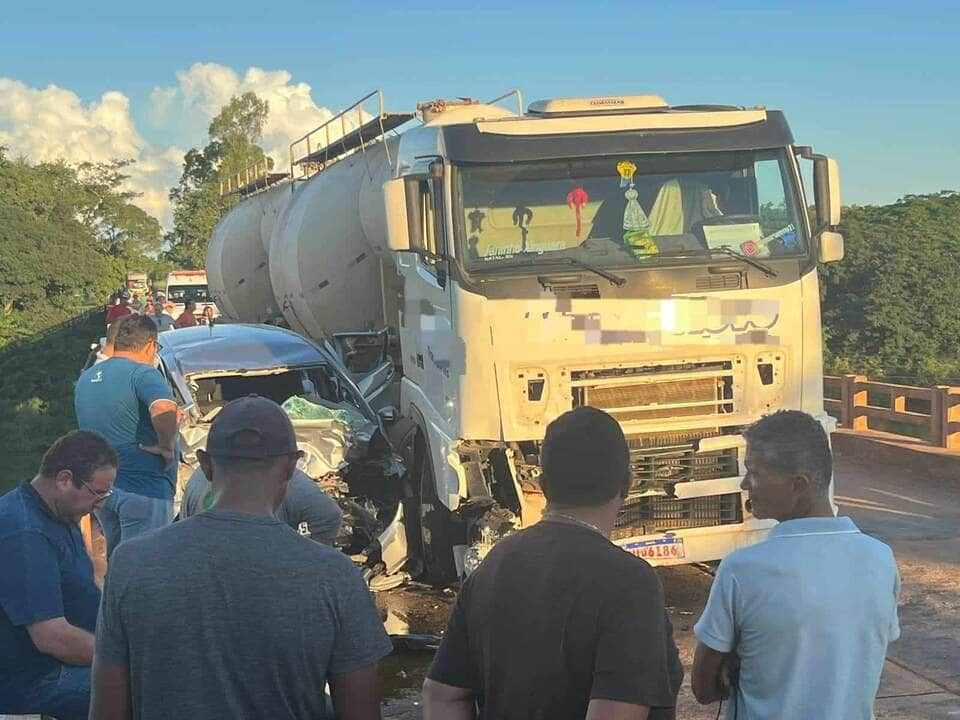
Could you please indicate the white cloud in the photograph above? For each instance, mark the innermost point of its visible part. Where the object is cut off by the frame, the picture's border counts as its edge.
(53, 123)
(204, 88)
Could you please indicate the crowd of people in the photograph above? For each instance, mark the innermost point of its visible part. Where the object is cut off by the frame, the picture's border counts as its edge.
(158, 308)
(232, 612)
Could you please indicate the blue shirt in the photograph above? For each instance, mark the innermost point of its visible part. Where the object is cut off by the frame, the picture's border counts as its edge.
(114, 398)
(45, 573)
(809, 611)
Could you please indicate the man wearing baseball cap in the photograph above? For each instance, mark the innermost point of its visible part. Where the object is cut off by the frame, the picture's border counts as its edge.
(230, 613)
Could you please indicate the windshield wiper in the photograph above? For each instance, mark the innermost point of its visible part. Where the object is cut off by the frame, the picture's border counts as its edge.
(614, 279)
(538, 259)
(765, 269)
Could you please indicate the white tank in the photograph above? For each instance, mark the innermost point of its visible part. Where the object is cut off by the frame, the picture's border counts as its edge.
(327, 248)
(238, 275)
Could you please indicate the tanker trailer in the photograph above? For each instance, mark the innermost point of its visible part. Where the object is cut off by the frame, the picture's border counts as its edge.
(237, 258)
(327, 249)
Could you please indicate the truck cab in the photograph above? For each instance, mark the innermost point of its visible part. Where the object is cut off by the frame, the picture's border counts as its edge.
(652, 261)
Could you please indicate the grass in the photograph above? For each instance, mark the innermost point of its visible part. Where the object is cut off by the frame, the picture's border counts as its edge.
(37, 374)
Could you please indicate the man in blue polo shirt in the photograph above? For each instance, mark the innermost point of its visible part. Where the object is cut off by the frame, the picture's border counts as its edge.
(797, 626)
(128, 401)
(48, 598)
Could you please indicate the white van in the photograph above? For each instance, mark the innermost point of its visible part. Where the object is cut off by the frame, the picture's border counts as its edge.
(183, 285)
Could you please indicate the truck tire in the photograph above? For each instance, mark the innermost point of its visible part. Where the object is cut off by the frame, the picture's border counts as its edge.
(439, 529)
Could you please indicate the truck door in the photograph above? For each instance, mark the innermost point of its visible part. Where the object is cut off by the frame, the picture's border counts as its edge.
(425, 325)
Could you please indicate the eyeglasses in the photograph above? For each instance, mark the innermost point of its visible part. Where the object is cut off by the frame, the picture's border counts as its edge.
(96, 493)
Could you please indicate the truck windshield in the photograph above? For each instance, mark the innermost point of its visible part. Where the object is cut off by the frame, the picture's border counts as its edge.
(628, 211)
(182, 293)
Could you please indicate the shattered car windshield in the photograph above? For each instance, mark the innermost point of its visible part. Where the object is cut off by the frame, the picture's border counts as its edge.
(626, 211)
(314, 384)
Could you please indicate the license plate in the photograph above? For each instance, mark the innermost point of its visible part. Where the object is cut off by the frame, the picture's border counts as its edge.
(667, 548)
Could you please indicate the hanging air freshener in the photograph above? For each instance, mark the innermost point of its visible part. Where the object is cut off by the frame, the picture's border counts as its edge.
(577, 199)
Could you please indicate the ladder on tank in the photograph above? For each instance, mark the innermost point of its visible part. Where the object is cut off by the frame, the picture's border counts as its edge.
(252, 179)
(352, 129)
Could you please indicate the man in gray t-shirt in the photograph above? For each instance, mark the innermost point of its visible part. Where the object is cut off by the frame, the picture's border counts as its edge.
(231, 613)
(306, 508)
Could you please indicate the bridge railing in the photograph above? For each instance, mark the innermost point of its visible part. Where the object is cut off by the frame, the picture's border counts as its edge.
(930, 413)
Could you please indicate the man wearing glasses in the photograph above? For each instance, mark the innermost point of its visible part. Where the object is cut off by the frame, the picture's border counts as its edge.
(48, 598)
(126, 399)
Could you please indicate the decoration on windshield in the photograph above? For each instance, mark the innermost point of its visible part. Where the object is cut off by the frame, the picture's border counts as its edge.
(576, 200)
(636, 224)
(473, 244)
(522, 217)
(749, 248)
(476, 220)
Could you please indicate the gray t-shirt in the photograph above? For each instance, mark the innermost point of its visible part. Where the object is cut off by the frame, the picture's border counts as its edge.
(163, 322)
(233, 615)
(306, 507)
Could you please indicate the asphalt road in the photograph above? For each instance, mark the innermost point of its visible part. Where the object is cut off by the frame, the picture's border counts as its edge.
(919, 518)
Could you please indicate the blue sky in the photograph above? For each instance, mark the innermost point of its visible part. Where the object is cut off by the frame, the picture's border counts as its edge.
(873, 84)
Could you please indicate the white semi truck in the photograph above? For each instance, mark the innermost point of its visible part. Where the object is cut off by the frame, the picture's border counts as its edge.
(657, 262)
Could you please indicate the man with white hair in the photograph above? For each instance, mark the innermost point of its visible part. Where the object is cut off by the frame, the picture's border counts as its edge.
(797, 626)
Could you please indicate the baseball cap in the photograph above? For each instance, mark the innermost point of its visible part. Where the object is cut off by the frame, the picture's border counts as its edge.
(253, 428)
(125, 295)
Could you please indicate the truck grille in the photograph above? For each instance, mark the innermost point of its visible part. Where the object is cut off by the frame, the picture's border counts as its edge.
(657, 391)
(651, 514)
(664, 467)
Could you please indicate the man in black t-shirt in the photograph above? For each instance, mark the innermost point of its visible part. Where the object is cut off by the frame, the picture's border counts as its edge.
(558, 622)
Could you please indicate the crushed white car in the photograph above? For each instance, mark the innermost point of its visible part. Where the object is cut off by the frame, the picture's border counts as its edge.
(345, 444)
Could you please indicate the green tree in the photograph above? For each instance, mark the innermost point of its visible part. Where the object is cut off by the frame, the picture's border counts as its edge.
(197, 202)
(50, 254)
(123, 229)
(68, 234)
(889, 308)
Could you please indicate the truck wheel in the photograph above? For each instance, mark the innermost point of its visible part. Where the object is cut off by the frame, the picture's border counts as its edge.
(439, 529)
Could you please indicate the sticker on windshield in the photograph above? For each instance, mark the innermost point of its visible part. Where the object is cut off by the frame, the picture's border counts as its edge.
(783, 241)
(731, 236)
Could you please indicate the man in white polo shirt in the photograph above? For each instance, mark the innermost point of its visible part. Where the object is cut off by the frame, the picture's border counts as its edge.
(797, 626)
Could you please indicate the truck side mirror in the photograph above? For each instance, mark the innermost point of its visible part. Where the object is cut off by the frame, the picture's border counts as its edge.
(826, 191)
(826, 188)
(831, 246)
(401, 199)
(395, 204)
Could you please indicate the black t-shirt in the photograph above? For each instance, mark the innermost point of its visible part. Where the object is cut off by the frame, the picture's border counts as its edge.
(557, 615)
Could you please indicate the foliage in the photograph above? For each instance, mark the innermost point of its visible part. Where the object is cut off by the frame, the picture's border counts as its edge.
(889, 308)
(197, 204)
(36, 387)
(68, 235)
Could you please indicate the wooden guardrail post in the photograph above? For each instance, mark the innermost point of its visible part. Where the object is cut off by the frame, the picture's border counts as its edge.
(852, 398)
(945, 416)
